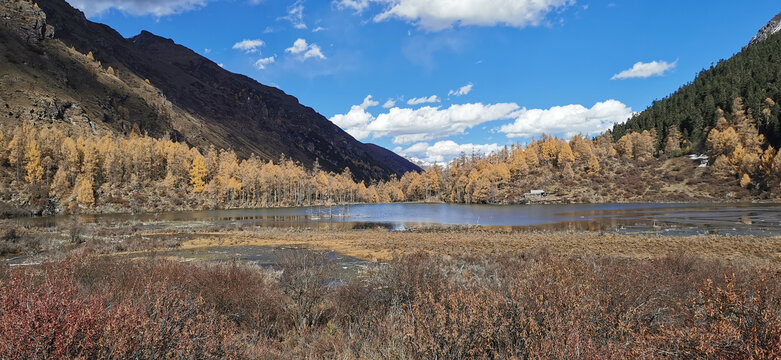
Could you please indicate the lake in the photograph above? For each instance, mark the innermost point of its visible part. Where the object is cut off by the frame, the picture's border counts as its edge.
(755, 219)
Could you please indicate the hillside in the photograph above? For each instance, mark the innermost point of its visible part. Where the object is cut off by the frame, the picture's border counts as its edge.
(62, 70)
(753, 74)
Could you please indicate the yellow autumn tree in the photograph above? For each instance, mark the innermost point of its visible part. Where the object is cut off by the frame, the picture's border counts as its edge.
(33, 163)
(60, 187)
(481, 190)
(722, 168)
(70, 158)
(89, 157)
(16, 151)
(85, 195)
(531, 155)
(581, 148)
(565, 155)
(672, 144)
(198, 174)
(624, 147)
(518, 163)
(745, 181)
(549, 150)
(644, 145)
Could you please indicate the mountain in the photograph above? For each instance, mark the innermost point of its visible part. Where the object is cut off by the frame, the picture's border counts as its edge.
(766, 31)
(753, 74)
(63, 69)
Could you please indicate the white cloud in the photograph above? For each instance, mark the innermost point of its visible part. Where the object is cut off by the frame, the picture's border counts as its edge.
(262, 63)
(319, 29)
(307, 51)
(298, 47)
(314, 52)
(137, 7)
(567, 120)
(358, 5)
(461, 91)
(389, 104)
(423, 100)
(437, 15)
(443, 152)
(295, 14)
(248, 46)
(427, 123)
(207, 50)
(357, 119)
(368, 102)
(354, 122)
(644, 70)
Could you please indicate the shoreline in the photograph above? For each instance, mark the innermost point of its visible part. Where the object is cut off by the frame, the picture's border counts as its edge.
(131, 212)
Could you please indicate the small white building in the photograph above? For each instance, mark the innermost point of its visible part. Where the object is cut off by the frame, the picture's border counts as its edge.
(536, 193)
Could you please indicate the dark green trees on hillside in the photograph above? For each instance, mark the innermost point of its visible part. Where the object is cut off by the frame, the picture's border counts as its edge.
(754, 74)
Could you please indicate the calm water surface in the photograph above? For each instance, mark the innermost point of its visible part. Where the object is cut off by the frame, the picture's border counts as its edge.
(758, 219)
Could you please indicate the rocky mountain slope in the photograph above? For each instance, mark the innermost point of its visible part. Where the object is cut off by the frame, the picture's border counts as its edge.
(61, 69)
(771, 28)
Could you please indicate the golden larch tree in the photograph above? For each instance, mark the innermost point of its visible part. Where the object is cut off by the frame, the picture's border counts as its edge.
(565, 155)
(198, 174)
(672, 145)
(16, 151)
(85, 194)
(549, 150)
(33, 163)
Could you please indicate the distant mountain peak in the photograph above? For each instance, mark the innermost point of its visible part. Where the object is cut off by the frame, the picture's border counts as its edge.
(768, 30)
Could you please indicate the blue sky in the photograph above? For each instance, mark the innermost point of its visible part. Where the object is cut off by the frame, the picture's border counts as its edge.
(475, 75)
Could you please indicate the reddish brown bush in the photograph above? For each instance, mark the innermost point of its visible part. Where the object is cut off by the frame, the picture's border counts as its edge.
(534, 305)
(48, 316)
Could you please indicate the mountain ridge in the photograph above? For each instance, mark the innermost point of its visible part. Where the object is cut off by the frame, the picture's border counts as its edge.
(190, 98)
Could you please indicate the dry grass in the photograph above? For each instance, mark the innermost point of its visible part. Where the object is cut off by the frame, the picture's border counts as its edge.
(382, 245)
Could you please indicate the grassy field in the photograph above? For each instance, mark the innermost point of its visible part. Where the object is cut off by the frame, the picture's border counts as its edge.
(382, 245)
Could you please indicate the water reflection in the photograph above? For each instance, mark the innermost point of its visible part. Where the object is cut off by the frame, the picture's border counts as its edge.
(757, 219)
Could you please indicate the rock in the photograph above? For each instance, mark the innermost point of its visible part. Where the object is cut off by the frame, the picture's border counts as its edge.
(768, 30)
(27, 19)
